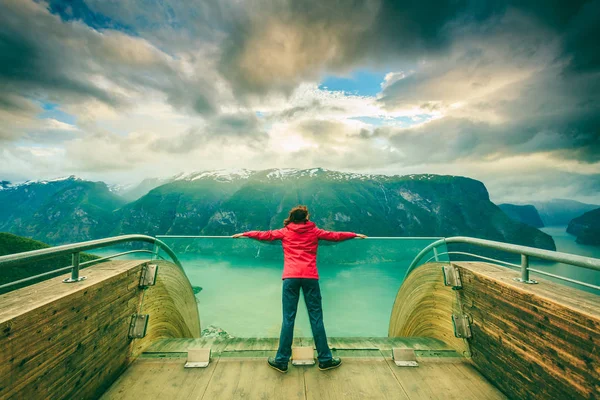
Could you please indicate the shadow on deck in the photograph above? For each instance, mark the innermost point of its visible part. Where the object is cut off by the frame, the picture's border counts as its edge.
(238, 369)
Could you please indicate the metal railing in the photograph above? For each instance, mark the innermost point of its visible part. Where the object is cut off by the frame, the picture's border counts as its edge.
(74, 251)
(524, 251)
(244, 237)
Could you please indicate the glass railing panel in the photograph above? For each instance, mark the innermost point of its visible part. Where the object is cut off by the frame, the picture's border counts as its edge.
(238, 284)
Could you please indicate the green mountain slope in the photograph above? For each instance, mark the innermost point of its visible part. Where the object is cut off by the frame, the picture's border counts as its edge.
(60, 211)
(11, 244)
(416, 205)
(222, 203)
(586, 227)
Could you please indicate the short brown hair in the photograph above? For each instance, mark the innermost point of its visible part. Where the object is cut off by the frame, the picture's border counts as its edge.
(297, 214)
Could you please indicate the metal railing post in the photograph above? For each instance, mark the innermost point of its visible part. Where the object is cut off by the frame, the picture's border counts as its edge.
(435, 254)
(524, 266)
(74, 270)
(525, 270)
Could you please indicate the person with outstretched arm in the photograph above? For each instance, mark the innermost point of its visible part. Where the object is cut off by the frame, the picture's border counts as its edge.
(300, 239)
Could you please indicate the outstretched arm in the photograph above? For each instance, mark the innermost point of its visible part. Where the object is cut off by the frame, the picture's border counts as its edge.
(262, 235)
(337, 236)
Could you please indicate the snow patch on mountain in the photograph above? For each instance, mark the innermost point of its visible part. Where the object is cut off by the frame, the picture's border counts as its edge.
(5, 185)
(221, 175)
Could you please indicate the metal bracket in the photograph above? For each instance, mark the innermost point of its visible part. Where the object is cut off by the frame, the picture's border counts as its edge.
(404, 357)
(303, 355)
(529, 281)
(138, 326)
(71, 280)
(462, 326)
(198, 358)
(149, 272)
(452, 277)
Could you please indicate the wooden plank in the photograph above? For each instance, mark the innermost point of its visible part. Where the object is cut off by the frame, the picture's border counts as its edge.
(356, 378)
(160, 378)
(532, 341)
(467, 376)
(432, 380)
(240, 344)
(253, 379)
(180, 345)
(417, 343)
(350, 343)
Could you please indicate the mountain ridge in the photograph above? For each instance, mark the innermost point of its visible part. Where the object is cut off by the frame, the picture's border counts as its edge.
(525, 213)
(586, 227)
(225, 202)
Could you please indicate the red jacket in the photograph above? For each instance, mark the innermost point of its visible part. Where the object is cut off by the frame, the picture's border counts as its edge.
(300, 242)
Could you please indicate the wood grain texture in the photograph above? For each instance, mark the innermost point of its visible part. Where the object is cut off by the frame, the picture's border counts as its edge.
(218, 345)
(161, 379)
(435, 380)
(424, 307)
(532, 341)
(253, 379)
(357, 379)
(172, 307)
(240, 371)
(67, 341)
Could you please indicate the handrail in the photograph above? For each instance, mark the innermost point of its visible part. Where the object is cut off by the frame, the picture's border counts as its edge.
(75, 248)
(524, 251)
(506, 263)
(244, 237)
(87, 263)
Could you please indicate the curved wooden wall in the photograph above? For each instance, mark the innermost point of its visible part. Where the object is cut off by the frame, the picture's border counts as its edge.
(424, 307)
(67, 341)
(172, 307)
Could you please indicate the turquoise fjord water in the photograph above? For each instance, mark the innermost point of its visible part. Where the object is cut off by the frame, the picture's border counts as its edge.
(566, 243)
(241, 282)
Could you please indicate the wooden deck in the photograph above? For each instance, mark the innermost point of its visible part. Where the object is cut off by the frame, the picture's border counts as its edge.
(239, 370)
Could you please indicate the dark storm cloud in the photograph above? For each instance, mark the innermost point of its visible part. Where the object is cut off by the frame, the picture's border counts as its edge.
(451, 140)
(274, 45)
(37, 56)
(44, 57)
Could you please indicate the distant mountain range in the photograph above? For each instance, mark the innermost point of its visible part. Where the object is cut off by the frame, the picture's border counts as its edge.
(526, 214)
(59, 211)
(586, 228)
(560, 212)
(222, 203)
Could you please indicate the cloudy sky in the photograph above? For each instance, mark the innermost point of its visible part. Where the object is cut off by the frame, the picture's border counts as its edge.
(117, 90)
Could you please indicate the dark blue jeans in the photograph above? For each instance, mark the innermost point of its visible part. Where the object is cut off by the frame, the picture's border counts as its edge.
(312, 298)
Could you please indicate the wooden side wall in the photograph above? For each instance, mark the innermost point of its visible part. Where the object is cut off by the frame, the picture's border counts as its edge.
(66, 341)
(532, 341)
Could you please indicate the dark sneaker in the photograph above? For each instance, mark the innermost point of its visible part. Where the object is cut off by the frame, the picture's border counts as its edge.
(331, 364)
(279, 367)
